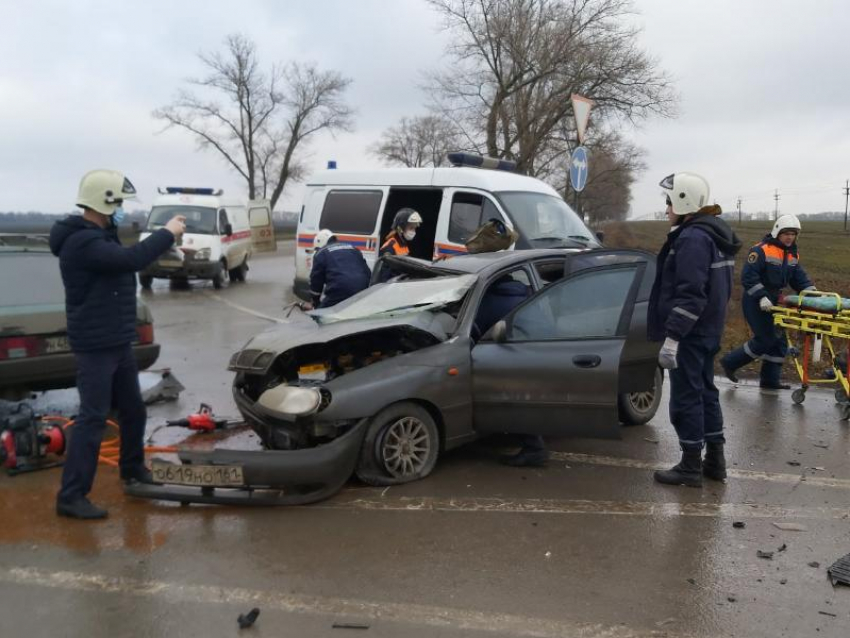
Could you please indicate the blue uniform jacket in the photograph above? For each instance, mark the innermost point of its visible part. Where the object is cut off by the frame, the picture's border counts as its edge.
(100, 280)
(339, 271)
(770, 267)
(498, 301)
(693, 280)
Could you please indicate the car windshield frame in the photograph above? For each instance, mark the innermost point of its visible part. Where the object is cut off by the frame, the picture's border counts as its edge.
(569, 230)
(200, 220)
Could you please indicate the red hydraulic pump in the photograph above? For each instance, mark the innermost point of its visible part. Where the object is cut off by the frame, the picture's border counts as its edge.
(27, 442)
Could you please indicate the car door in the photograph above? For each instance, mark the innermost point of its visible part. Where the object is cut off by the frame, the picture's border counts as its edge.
(555, 371)
(262, 226)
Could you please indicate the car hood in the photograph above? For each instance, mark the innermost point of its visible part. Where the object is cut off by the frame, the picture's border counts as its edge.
(282, 338)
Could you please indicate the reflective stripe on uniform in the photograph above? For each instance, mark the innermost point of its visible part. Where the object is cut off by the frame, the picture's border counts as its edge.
(767, 357)
(685, 313)
(730, 263)
(700, 442)
(755, 289)
(749, 351)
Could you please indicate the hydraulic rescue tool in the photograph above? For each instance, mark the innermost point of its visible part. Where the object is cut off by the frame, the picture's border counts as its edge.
(29, 443)
(204, 421)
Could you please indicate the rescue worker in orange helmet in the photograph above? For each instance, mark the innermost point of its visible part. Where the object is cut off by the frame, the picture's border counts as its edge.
(772, 264)
(397, 242)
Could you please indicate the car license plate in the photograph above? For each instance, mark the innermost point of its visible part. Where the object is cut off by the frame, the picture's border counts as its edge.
(198, 475)
(169, 263)
(52, 345)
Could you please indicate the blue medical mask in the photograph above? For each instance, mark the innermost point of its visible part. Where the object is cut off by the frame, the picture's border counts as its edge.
(118, 216)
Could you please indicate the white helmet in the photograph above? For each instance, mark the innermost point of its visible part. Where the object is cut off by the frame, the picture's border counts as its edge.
(104, 191)
(687, 192)
(786, 222)
(322, 238)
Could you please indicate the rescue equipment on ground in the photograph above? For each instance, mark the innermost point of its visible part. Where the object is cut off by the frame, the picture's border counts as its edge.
(29, 443)
(822, 323)
(204, 421)
(490, 237)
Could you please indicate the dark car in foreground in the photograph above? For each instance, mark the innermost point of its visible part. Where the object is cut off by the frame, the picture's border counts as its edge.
(34, 350)
(383, 383)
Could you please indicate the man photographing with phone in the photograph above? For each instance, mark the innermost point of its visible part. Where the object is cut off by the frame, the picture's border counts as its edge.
(99, 275)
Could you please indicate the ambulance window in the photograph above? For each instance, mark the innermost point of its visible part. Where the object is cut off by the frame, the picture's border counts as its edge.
(468, 212)
(353, 212)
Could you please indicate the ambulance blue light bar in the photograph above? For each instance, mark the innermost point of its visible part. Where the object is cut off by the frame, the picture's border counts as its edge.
(184, 190)
(478, 161)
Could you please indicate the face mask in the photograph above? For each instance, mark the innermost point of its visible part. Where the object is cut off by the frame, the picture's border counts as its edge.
(118, 216)
(409, 235)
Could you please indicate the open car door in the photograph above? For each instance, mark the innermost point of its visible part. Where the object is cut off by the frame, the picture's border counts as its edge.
(552, 367)
(262, 226)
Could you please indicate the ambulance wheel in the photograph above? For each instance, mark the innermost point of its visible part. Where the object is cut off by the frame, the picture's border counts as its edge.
(401, 445)
(798, 396)
(637, 408)
(146, 281)
(238, 273)
(841, 395)
(218, 278)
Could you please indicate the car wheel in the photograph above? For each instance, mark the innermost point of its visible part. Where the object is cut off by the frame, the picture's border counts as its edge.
(401, 445)
(145, 281)
(637, 408)
(218, 278)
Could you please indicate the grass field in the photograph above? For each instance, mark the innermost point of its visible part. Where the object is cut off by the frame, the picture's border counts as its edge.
(824, 253)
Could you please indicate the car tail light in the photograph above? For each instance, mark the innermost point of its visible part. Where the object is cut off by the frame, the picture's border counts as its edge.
(145, 333)
(19, 347)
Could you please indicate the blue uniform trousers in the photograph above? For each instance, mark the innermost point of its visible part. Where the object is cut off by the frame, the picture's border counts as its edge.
(694, 399)
(767, 344)
(106, 379)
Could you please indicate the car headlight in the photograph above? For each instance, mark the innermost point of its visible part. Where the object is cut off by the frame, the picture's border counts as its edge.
(288, 399)
(203, 254)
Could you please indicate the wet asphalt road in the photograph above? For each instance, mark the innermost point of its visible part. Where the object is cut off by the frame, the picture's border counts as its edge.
(588, 546)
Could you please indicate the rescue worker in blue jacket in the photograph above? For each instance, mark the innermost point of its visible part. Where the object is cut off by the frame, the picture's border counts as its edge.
(99, 275)
(687, 310)
(339, 270)
(772, 264)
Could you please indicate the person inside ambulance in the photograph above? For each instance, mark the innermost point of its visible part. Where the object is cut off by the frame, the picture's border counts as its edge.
(339, 271)
(772, 264)
(405, 224)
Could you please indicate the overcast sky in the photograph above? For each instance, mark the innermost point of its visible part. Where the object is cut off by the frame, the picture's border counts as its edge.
(765, 100)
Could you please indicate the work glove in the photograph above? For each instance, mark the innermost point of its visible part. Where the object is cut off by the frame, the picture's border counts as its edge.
(667, 355)
(765, 304)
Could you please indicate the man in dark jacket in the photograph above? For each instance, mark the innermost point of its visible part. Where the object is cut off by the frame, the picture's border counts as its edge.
(100, 302)
(339, 270)
(772, 265)
(687, 310)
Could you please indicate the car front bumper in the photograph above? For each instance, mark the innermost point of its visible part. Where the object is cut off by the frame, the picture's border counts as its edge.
(54, 371)
(189, 269)
(271, 477)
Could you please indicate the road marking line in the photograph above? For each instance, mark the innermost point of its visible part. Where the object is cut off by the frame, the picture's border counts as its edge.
(245, 309)
(578, 506)
(773, 477)
(410, 614)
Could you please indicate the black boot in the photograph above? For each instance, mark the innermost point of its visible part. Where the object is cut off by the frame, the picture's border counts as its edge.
(687, 472)
(714, 465)
(728, 370)
(141, 475)
(526, 458)
(81, 508)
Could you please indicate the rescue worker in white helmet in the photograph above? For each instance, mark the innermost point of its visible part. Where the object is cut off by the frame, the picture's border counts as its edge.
(339, 270)
(687, 311)
(397, 242)
(100, 302)
(771, 265)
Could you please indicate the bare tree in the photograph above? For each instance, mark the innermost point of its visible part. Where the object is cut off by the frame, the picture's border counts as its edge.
(418, 141)
(258, 121)
(515, 63)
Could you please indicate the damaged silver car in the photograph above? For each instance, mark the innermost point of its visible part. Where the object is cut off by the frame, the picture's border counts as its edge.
(383, 383)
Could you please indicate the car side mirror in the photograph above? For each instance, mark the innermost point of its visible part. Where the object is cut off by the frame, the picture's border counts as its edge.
(600, 235)
(228, 229)
(500, 332)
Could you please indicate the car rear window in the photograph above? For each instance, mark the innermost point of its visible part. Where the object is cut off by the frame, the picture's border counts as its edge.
(354, 212)
(30, 279)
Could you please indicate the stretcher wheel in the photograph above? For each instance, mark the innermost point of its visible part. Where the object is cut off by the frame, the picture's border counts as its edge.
(841, 395)
(798, 395)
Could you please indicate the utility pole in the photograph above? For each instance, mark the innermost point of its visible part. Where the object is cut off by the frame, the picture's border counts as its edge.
(739, 210)
(846, 199)
(776, 207)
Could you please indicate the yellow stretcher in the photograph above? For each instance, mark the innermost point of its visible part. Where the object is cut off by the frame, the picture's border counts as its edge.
(832, 329)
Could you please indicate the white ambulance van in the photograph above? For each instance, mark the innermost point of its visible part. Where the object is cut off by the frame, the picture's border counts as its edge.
(218, 240)
(453, 201)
